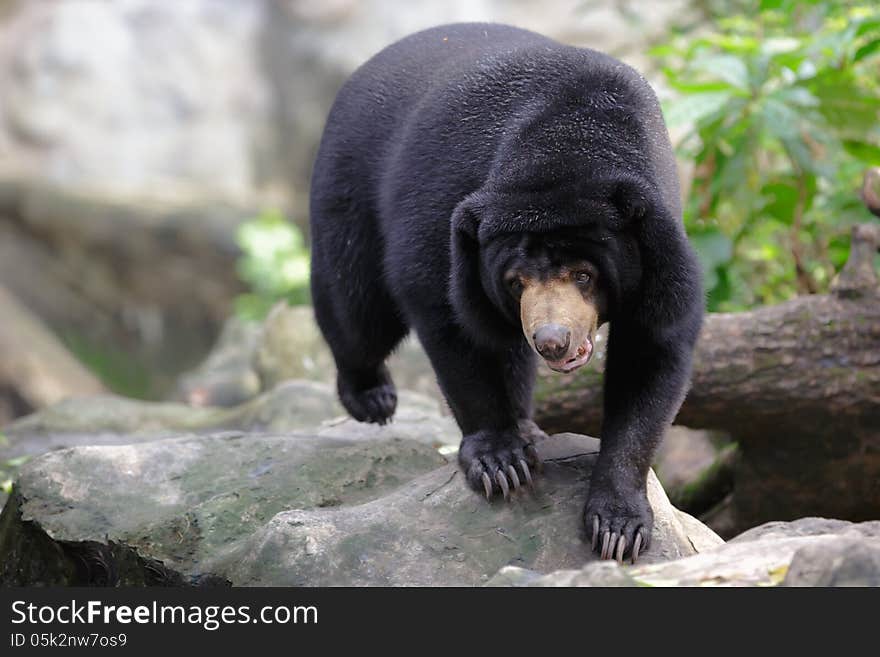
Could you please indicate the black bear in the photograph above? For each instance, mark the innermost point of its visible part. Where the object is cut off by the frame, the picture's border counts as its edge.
(501, 193)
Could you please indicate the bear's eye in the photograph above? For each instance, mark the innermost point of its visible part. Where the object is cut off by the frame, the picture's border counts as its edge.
(582, 278)
(514, 284)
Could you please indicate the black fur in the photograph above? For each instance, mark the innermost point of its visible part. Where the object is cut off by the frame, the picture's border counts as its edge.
(466, 149)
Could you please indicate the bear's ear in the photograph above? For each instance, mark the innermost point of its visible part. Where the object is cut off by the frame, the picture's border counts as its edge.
(466, 216)
(467, 294)
(633, 200)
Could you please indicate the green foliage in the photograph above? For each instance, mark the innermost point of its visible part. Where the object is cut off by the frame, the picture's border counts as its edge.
(9, 471)
(117, 369)
(274, 264)
(781, 100)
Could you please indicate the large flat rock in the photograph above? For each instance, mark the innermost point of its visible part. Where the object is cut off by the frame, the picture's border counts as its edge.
(156, 512)
(299, 509)
(292, 406)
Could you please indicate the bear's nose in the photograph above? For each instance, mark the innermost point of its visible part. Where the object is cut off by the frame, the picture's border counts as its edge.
(551, 341)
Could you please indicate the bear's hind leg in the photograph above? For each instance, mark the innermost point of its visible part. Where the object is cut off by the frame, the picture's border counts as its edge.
(360, 322)
(360, 345)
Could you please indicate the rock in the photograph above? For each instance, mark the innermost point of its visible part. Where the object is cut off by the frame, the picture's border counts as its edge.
(722, 518)
(287, 345)
(155, 512)
(297, 510)
(847, 562)
(696, 468)
(136, 287)
(435, 531)
(709, 486)
(601, 574)
(807, 552)
(290, 346)
(294, 405)
(683, 456)
(164, 99)
(224, 98)
(759, 557)
(227, 376)
(804, 527)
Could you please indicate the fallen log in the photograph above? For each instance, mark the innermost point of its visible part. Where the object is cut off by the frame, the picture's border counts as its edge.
(35, 368)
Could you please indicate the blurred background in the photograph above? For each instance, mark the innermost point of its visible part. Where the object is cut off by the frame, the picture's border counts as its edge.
(155, 159)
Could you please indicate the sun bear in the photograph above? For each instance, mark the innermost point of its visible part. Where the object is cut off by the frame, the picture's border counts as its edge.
(502, 194)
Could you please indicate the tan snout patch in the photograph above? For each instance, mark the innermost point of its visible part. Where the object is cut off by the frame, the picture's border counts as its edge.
(560, 301)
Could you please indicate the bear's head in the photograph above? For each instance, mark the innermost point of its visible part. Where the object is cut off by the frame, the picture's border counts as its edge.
(549, 264)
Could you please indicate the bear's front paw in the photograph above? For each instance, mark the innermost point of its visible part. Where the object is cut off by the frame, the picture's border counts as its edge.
(620, 522)
(497, 461)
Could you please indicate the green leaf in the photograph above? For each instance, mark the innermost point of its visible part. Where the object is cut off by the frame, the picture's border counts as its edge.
(662, 50)
(692, 109)
(838, 250)
(252, 307)
(274, 264)
(700, 87)
(779, 119)
(802, 156)
(783, 98)
(771, 4)
(732, 43)
(729, 68)
(731, 176)
(16, 462)
(867, 153)
(867, 26)
(798, 96)
(781, 196)
(845, 104)
(781, 200)
(867, 50)
(713, 249)
(778, 45)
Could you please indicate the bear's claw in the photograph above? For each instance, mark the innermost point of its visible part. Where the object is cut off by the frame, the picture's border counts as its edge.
(614, 543)
(487, 484)
(498, 461)
(514, 478)
(501, 478)
(507, 480)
